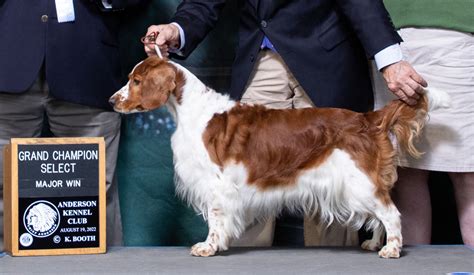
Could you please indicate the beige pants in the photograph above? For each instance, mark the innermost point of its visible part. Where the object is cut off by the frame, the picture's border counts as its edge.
(273, 85)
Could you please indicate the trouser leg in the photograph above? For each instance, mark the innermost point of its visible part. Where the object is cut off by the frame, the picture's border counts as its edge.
(21, 115)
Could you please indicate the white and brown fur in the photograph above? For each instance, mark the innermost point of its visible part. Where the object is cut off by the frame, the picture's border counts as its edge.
(238, 163)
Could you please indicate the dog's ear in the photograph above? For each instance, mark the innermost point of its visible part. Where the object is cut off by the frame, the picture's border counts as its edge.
(157, 86)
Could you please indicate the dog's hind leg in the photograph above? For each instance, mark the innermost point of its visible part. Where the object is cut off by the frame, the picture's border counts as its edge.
(375, 243)
(388, 214)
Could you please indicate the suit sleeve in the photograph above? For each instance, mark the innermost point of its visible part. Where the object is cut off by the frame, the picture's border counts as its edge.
(372, 24)
(197, 18)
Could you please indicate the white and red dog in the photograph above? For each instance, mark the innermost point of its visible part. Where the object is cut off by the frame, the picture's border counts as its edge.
(236, 163)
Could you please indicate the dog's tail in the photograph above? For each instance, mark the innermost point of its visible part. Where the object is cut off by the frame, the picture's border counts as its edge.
(406, 121)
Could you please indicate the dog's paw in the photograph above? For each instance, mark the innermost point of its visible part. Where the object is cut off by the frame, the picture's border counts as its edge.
(203, 249)
(389, 251)
(370, 245)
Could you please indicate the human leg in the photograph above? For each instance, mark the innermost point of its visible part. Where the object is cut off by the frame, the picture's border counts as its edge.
(319, 234)
(463, 184)
(74, 120)
(269, 84)
(21, 115)
(300, 98)
(412, 198)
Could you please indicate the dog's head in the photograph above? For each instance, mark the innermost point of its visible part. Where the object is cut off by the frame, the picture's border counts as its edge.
(149, 87)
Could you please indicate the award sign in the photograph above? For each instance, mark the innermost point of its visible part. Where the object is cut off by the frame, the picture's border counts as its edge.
(54, 196)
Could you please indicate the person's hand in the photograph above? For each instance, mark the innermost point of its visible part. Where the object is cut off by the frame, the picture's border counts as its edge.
(167, 37)
(404, 81)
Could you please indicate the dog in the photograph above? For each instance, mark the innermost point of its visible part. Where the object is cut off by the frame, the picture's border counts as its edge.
(238, 163)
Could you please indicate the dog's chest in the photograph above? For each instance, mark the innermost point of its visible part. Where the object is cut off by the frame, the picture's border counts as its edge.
(191, 158)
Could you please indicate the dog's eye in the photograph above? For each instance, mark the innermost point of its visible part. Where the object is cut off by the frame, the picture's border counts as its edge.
(136, 81)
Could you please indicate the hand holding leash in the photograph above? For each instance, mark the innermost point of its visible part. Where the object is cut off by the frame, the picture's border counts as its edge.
(159, 39)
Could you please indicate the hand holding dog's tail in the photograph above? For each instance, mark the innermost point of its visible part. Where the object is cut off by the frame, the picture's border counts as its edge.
(406, 121)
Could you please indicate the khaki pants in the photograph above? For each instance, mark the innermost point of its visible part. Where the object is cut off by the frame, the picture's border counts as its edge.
(273, 85)
(23, 115)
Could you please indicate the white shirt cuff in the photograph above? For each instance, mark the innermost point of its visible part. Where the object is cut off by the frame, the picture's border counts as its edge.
(391, 54)
(181, 38)
(106, 4)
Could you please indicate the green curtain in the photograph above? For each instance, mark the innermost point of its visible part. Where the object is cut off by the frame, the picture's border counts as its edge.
(151, 212)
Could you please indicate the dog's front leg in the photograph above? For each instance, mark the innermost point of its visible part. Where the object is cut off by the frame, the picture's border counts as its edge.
(217, 239)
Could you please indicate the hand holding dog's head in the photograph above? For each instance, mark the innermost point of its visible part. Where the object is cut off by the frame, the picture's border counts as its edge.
(150, 85)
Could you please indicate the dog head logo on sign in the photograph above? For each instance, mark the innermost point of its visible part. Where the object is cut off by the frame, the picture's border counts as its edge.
(41, 219)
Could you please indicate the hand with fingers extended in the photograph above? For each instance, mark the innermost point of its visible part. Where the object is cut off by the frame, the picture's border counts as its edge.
(166, 37)
(404, 81)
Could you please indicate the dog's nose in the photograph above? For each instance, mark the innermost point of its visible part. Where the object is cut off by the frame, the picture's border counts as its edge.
(112, 101)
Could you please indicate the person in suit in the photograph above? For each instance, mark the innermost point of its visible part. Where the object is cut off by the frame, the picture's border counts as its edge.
(59, 64)
(297, 54)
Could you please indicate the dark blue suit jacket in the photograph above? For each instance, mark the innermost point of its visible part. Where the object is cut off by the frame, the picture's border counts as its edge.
(325, 43)
(81, 58)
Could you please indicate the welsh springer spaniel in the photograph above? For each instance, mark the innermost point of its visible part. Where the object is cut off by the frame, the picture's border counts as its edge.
(236, 163)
